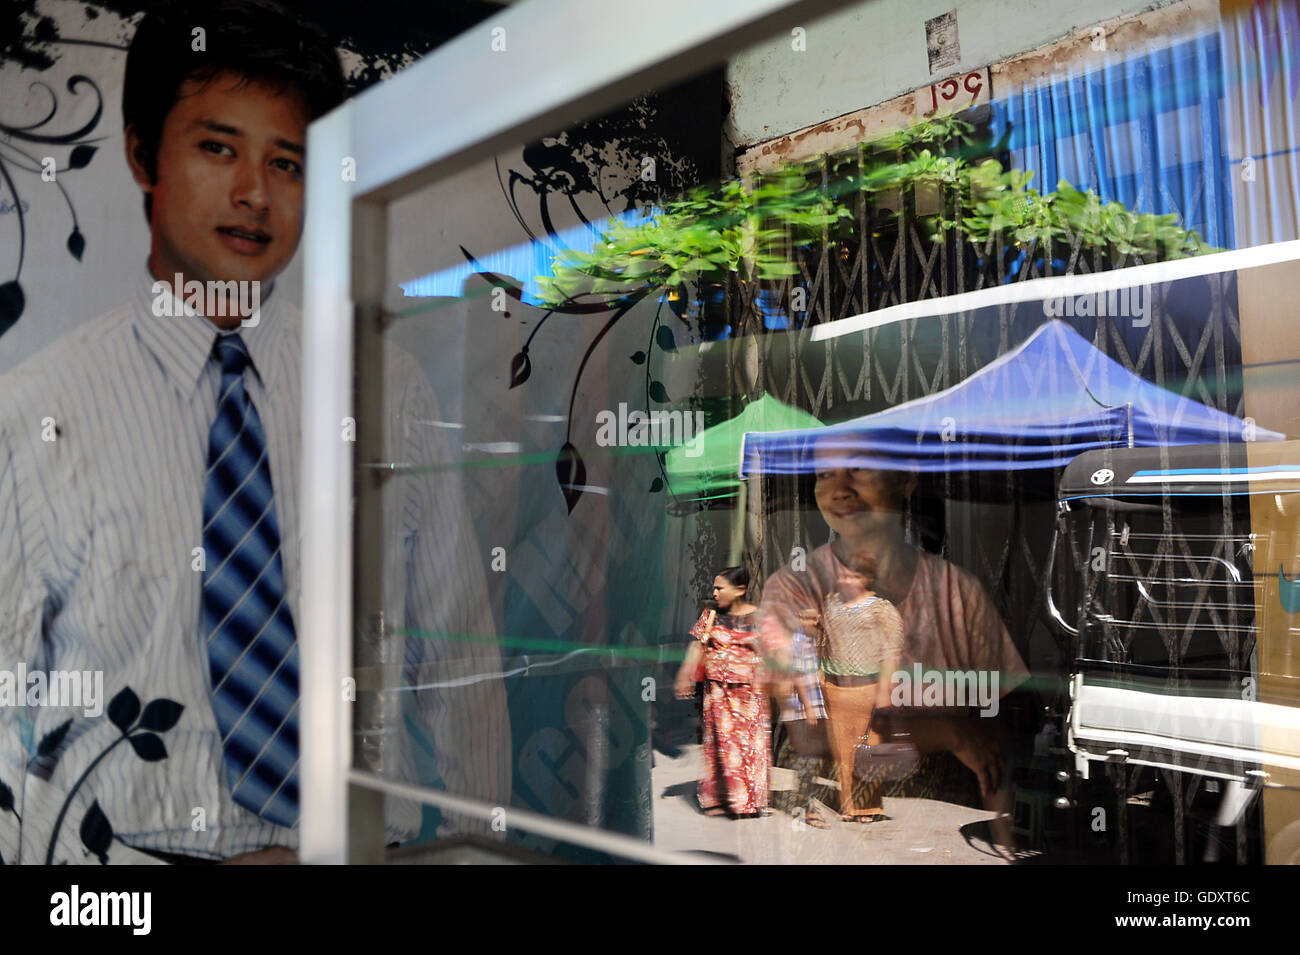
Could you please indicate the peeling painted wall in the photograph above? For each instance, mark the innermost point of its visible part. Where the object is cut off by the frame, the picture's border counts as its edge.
(876, 50)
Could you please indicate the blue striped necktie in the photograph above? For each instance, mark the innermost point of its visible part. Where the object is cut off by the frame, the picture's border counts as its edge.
(252, 651)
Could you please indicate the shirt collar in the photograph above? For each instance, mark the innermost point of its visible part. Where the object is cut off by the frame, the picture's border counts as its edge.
(181, 339)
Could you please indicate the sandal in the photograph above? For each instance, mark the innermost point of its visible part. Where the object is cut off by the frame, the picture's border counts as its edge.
(815, 819)
(715, 811)
(866, 818)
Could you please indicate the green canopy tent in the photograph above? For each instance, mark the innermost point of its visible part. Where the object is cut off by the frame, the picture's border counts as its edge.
(708, 468)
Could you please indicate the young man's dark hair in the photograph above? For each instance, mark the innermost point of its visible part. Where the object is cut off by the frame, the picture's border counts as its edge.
(255, 39)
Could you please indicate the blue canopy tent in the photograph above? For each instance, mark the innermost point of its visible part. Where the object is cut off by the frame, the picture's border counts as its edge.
(1038, 406)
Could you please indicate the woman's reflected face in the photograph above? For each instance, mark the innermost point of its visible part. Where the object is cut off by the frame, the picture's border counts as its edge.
(725, 593)
(855, 500)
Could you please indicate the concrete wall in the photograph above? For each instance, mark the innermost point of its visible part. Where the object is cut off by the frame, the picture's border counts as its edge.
(876, 50)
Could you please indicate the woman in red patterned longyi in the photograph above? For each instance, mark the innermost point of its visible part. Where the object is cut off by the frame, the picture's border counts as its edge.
(725, 656)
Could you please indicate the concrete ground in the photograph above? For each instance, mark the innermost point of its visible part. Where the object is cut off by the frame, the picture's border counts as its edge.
(921, 832)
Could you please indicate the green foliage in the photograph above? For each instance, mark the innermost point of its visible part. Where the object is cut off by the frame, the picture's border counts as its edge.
(752, 228)
(997, 202)
(711, 232)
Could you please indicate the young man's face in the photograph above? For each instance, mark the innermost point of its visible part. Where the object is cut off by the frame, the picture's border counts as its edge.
(228, 197)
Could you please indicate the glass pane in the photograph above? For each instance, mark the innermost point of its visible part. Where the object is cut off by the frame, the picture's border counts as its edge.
(924, 575)
(532, 563)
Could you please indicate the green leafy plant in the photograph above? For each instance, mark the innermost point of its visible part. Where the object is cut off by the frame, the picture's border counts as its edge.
(998, 202)
(734, 227)
(752, 229)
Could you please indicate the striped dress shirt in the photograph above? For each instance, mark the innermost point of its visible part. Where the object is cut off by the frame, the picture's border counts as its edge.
(103, 448)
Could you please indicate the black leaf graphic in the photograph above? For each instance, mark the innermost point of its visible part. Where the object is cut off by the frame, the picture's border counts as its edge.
(160, 715)
(6, 798)
(76, 244)
(51, 740)
(53, 746)
(664, 339)
(81, 157)
(658, 392)
(638, 357)
(49, 750)
(12, 301)
(124, 708)
(656, 485)
(148, 747)
(520, 368)
(572, 474)
(96, 833)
